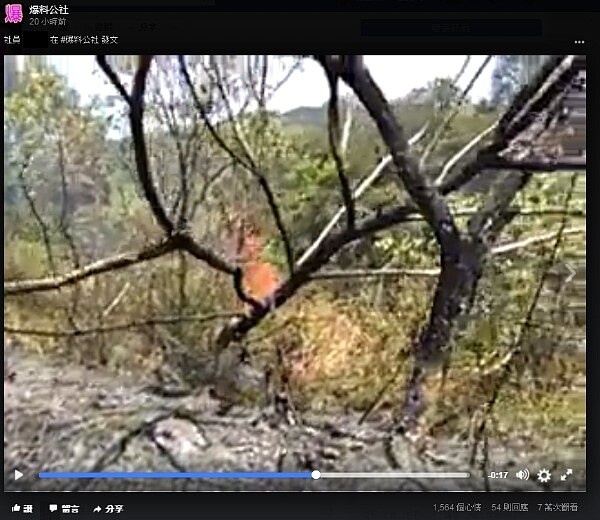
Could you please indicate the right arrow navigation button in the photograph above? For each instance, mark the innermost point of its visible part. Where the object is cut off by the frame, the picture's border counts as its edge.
(571, 274)
(18, 474)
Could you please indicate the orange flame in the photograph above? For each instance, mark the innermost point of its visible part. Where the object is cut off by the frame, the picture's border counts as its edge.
(260, 279)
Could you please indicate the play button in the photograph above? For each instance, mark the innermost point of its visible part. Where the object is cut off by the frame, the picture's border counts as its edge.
(18, 474)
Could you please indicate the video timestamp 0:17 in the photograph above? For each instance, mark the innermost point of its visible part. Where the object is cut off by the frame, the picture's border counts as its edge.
(498, 474)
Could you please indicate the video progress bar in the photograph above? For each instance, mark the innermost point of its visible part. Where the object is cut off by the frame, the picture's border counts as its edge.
(392, 474)
(314, 475)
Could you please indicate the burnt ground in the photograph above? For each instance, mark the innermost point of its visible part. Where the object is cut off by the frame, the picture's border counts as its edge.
(69, 418)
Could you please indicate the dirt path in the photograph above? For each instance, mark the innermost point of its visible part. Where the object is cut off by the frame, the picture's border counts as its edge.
(67, 418)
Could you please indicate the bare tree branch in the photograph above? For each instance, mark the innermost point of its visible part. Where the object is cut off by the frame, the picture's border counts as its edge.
(136, 119)
(263, 82)
(36, 215)
(360, 189)
(235, 127)
(330, 246)
(183, 152)
(386, 272)
(205, 116)
(101, 266)
(522, 113)
(396, 272)
(208, 184)
(522, 212)
(136, 116)
(464, 151)
(462, 69)
(537, 166)
(185, 241)
(425, 197)
(529, 103)
(179, 238)
(452, 114)
(165, 320)
(331, 65)
(113, 77)
(537, 239)
(258, 86)
(116, 300)
(346, 130)
(516, 350)
(382, 165)
(248, 163)
(293, 69)
(156, 250)
(63, 223)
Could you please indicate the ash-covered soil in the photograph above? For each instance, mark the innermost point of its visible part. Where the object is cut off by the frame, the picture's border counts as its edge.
(68, 418)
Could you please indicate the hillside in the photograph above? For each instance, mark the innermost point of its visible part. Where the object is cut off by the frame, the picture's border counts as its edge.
(306, 116)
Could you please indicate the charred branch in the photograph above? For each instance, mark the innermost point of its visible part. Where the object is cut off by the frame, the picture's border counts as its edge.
(176, 238)
(429, 202)
(332, 66)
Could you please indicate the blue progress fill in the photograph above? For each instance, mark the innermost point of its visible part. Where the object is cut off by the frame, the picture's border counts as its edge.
(165, 475)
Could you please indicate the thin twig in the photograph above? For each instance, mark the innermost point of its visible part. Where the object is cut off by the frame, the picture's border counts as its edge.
(330, 65)
(464, 151)
(37, 216)
(238, 134)
(523, 212)
(462, 69)
(334, 130)
(513, 246)
(181, 240)
(116, 300)
(288, 75)
(394, 272)
(517, 348)
(452, 114)
(63, 225)
(248, 164)
(170, 120)
(346, 130)
(165, 320)
(263, 81)
(360, 189)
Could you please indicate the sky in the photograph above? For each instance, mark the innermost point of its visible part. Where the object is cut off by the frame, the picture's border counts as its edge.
(396, 75)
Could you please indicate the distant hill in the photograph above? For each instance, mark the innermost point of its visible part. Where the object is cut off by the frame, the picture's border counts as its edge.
(317, 116)
(305, 116)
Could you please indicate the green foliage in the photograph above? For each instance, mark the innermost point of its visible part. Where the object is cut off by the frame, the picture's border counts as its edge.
(24, 258)
(410, 248)
(53, 142)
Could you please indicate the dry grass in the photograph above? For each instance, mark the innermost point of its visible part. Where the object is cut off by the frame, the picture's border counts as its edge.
(339, 345)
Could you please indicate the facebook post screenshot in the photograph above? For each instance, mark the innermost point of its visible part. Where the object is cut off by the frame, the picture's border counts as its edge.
(313, 275)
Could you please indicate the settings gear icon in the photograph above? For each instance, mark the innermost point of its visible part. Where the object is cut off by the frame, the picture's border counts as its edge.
(544, 475)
